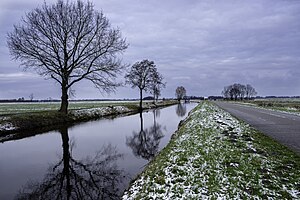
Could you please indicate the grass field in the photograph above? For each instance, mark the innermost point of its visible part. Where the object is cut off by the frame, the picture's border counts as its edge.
(287, 105)
(215, 156)
(17, 108)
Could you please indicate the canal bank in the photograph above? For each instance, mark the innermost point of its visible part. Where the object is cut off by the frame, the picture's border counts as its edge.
(213, 155)
(50, 120)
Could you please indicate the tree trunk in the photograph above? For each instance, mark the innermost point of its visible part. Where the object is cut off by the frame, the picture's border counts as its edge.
(66, 159)
(141, 120)
(64, 100)
(141, 100)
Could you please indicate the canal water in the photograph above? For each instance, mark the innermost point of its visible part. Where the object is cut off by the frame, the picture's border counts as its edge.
(92, 160)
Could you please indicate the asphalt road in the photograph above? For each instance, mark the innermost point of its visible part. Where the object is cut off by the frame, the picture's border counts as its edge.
(285, 128)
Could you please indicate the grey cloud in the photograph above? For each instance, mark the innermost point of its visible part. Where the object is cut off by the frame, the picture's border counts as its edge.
(214, 43)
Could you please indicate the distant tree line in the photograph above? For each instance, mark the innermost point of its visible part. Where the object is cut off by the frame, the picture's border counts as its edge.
(239, 91)
(196, 98)
(215, 97)
(278, 97)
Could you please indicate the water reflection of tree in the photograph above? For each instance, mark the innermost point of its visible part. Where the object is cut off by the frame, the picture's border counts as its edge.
(145, 143)
(156, 113)
(181, 110)
(92, 178)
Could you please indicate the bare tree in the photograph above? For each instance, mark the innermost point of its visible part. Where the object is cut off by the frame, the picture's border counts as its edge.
(180, 93)
(68, 42)
(156, 84)
(140, 75)
(31, 97)
(241, 90)
(235, 91)
(250, 91)
(227, 92)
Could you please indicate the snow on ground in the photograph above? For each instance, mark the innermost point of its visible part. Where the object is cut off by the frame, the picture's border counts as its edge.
(98, 112)
(214, 156)
(7, 126)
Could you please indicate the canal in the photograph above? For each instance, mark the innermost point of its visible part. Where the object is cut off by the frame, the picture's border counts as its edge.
(92, 160)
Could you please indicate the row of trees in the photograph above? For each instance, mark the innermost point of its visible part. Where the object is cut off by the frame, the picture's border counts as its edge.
(239, 91)
(70, 41)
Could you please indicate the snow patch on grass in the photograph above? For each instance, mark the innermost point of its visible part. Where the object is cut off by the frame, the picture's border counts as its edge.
(99, 112)
(7, 126)
(79, 114)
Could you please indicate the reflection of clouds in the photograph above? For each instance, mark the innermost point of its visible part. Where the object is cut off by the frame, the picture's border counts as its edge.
(181, 110)
(145, 143)
(95, 177)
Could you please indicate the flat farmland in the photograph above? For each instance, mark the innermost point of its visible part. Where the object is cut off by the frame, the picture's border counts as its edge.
(29, 107)
(290, 105)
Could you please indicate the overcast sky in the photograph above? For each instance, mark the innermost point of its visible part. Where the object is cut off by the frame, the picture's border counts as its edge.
(202, 45)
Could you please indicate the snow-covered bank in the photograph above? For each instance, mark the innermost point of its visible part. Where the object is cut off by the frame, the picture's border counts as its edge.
(99, 112)
(215, 156)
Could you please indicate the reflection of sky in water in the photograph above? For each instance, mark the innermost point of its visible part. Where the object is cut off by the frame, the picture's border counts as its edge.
(30, 158)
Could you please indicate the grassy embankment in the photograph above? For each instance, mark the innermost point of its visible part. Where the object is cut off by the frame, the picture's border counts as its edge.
(213, 155)
(17, 117)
